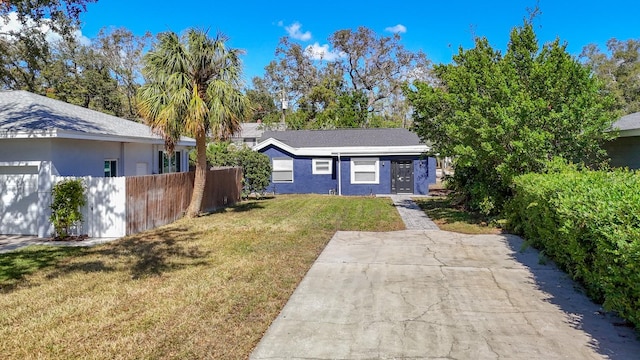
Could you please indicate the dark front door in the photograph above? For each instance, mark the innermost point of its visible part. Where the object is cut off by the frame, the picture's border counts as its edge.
(402, 177)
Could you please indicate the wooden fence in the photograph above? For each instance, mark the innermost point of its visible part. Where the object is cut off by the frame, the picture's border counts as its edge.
(157, 200)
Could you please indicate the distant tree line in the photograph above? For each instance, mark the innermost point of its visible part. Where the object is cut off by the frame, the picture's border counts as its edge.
(356, 82)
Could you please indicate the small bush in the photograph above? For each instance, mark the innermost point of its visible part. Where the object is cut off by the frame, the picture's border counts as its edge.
(68, 198)
(588, 222)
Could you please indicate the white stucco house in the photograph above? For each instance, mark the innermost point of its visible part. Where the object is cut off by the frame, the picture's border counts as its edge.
(248, 135)
(41, 138)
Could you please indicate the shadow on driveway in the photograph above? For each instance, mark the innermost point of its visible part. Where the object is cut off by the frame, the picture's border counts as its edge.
(611, 335)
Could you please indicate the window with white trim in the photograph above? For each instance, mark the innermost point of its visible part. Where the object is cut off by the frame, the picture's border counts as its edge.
(282, 170)
(322, 166)
(365, 170)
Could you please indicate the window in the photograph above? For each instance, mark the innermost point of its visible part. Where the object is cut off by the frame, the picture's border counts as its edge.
(322, 166)
(282, 170)
(110, 167)
(365, 171)
(168, 164)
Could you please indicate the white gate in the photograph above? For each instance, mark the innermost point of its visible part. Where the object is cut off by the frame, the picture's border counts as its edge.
(19, 201)
(104, 214)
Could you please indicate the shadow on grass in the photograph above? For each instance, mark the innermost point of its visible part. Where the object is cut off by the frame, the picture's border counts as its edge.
(442, 209)
(151, 253)
(146, 254)
(247, 206)
(15, 265)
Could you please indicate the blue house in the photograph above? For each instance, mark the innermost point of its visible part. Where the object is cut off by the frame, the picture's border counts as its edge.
(348, 162)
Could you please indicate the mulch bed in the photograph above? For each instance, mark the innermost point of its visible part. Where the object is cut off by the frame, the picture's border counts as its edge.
(70, 238)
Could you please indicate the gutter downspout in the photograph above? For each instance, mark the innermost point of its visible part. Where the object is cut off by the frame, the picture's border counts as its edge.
(122, 159)
(339, 176)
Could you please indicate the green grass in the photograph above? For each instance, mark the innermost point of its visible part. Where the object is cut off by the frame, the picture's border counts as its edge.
(450, 217)
(199, 288)
(16, 265)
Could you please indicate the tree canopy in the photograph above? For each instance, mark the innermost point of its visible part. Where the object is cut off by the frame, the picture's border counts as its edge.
(619, 70)
(358, 83)
(101, 75)
(24, 45)
(58, 14)
(505, 115)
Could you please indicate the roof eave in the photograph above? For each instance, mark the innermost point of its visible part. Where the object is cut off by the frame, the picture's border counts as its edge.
(345, 150)
(21, 134)
(628, 132)
(76, 135)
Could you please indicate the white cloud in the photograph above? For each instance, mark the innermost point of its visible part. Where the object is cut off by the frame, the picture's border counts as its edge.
(398, 29)
(77, 34)
(322, 52)
(12, 24)
(294, 32)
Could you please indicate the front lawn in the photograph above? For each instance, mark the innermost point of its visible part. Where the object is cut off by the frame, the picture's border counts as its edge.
(199, 288)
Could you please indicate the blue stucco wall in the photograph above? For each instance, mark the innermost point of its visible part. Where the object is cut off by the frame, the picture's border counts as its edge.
(383, 187)
(305, 182)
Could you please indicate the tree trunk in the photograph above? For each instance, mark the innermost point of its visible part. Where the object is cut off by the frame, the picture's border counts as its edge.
(201, 175)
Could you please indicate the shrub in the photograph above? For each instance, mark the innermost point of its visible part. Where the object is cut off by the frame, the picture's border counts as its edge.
(256, 167)
(256, 170)
(68, 198)
(588, 222)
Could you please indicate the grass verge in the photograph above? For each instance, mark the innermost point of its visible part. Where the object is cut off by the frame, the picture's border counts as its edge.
(450, 217)
(199, 288)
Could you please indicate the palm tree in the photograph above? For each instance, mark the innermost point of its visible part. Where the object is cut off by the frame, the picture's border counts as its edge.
(192, 88)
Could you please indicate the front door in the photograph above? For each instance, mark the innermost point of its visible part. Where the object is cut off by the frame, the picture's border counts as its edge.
(402, 177)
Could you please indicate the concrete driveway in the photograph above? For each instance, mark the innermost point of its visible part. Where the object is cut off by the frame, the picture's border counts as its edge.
(440, 295)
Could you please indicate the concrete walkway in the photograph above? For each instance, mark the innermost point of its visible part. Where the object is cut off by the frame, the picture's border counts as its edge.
(433, 294)
(414, 218)
(15, 242)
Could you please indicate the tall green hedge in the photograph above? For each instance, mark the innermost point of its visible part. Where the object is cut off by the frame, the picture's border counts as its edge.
(588, 222)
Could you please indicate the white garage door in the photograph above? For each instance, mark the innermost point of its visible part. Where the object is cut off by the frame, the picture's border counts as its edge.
(19, 200)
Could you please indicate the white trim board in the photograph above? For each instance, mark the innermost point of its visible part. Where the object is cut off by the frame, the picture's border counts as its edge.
(344, 150)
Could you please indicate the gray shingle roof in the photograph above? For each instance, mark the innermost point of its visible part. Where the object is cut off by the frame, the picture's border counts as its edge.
(344, 137)
(25, 112)
(628, 122)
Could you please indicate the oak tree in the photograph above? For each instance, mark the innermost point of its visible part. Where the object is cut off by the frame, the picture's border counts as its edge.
(24, 46)
(619, 69)
(324, 87)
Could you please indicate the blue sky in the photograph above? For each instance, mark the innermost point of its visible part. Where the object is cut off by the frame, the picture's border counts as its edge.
(436, 27)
